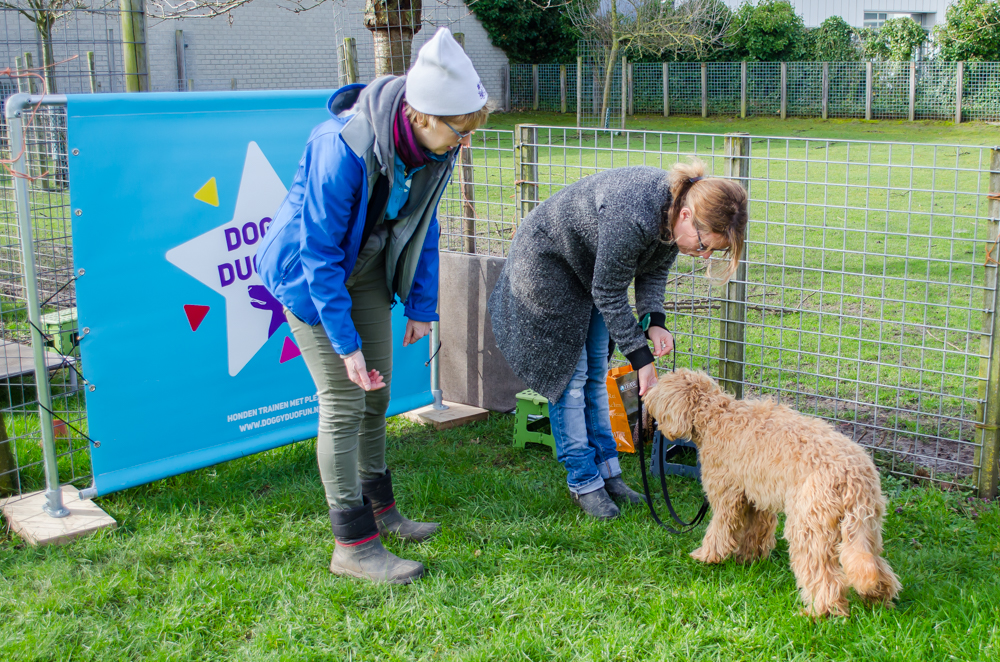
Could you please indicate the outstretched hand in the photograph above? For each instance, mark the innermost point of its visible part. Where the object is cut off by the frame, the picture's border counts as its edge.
(357, 372)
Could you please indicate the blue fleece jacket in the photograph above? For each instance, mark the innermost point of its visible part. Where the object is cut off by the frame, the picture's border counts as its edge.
(312, 245)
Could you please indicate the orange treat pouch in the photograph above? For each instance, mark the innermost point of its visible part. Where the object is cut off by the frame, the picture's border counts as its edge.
(623, 403)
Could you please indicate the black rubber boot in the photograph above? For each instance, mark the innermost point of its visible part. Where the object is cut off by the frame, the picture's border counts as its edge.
(597, 504)
(388, 517)
(360, 553)
(622, 493)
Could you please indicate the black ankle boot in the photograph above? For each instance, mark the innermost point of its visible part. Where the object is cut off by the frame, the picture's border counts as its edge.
(360, 553)
(597, 504)
(388, 517)
(620, 492)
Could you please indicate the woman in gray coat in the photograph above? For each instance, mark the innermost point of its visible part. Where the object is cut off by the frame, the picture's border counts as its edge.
(563, 294)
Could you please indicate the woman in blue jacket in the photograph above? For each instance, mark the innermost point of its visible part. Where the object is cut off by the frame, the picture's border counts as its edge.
(357, 229)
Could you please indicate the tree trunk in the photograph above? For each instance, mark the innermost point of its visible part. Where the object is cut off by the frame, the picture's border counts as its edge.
(393, 24)
(48, 58)
(8, 466)
(609, 71)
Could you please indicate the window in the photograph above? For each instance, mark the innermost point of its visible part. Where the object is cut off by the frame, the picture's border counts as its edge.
(875, 19)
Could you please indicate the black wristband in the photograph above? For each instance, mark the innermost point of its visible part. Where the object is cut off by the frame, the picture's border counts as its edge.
(656, 319)
(640, 357)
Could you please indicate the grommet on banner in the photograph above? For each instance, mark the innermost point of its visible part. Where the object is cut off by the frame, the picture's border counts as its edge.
(76, 152)
(78, 212)
(97, 444)
(91, 388)
(80, 272)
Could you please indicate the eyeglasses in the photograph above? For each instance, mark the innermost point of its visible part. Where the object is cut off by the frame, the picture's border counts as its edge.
(701, 245)
(461, 136)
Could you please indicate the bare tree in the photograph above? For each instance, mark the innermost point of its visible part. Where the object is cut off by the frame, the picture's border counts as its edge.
(393, 24)
(44, 14)
(685, 27)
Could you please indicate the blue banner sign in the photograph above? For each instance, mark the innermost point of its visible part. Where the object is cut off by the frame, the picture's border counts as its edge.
(188, 357)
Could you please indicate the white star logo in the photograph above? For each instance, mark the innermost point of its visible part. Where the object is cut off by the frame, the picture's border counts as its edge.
(224, 259)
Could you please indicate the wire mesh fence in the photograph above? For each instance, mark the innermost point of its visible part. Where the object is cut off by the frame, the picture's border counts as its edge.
(928, 89)
(869, 292)
(75, 46)
(600, 86)
(47, 184)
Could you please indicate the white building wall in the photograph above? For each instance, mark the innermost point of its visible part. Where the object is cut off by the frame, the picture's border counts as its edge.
(814, 12)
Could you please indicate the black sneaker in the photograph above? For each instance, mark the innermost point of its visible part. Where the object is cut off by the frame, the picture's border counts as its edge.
(597, 504)
(622, 493)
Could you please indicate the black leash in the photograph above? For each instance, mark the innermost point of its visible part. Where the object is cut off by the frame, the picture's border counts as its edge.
(686, 527)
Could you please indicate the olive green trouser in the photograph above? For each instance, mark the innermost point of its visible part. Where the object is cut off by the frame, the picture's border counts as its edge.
(350, 446)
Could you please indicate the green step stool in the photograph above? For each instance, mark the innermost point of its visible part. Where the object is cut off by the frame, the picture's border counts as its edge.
(60, 326)
(532, 415)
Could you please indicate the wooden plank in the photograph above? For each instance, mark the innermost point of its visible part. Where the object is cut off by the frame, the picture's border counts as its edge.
(455, 415)
(19, 359)
(26, 518)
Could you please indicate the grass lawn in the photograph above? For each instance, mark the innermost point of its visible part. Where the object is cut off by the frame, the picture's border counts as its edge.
(229, 563)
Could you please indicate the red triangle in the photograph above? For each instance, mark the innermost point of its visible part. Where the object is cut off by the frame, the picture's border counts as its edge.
(195, 315)
(289, 350)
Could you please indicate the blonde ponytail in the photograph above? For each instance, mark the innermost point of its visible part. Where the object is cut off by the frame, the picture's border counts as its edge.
(719, 206)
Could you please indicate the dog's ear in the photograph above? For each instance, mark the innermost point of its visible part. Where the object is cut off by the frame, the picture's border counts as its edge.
(670, 405)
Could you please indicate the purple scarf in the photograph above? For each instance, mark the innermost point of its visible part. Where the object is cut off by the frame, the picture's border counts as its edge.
(409, 150)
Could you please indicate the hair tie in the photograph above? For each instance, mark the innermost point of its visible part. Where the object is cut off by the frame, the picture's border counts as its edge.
(692, 180)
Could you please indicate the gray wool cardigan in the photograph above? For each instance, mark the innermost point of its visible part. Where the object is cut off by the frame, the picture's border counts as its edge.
(580, 248)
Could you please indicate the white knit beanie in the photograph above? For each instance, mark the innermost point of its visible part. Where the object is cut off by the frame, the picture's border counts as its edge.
(443, 81)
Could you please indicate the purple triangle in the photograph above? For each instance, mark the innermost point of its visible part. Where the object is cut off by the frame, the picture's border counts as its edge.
(289, 350)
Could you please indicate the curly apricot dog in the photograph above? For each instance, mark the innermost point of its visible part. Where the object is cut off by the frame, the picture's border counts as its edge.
(759, 458)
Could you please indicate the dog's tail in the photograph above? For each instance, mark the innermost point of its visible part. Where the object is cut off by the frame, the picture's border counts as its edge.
(861, 545)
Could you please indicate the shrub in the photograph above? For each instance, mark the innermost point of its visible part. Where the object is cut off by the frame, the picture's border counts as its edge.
(898, 39)
(971, 31)
(525, 32)
(769, 31)
(833, 41)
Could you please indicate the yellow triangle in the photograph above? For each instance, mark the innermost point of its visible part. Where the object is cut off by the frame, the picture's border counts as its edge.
(208, 193)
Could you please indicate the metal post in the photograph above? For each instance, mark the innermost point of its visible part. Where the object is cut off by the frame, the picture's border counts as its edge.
(869, 82)
(826, 90)
(534, 87)
(989, 367)
(784, 90)
(732, 325)
(624, 81)
(631, 90)
(526, 168)
(15, 107)
(666, 90)
(743, 89)
(436, 367)
(913, 91)
(562, 88)
(92, 72)
(350, 60)
(133, 17)
(579, 91)
(181, 60)
(959, 76)
(704, 89)
(505, 78)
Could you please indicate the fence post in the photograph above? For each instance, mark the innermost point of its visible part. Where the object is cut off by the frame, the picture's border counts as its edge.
(743, 89)
(53, 494)
(631, 90)
(989, 366)
(92, 72)
(869, 82)
(534, 87)
(959, 84)
(913, 91)
(826, 90)
(22, 83)
(732, 324)
(505, 81)
(32, 82)
(562, 88)
(181, 63)
(468, 199)
(624, 86)
(350, 60)
(526, 170)
(666, 90)
(579, 92)
(704, 89)
(133, 18)
(784, 90)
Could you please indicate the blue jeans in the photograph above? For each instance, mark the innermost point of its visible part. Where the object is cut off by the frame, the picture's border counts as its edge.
(580, 420)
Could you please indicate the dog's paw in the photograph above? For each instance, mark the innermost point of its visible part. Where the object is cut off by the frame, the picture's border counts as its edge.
(705, 556)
